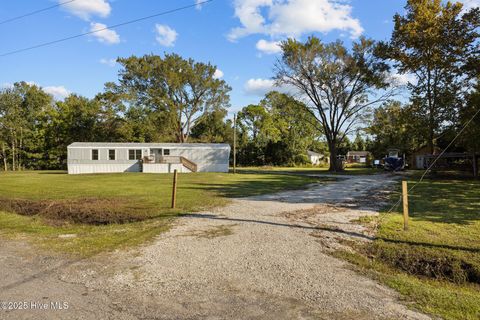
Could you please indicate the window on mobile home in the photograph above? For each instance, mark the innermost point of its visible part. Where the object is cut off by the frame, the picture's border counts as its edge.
(95, 154)
(134, 154)
(111, 154)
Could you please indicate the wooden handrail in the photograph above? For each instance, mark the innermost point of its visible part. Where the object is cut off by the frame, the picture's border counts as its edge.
(192, 166)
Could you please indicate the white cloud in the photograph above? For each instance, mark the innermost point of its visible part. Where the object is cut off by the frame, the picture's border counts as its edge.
(199, 4)
(293, 18)
(87, 8)
(259, 87)
(268, 47)
(58, 92)
(218, 74)
(166, 36)
(469, 4)
(6, 85)
(104, 35)
(109, 62)
(402, 79)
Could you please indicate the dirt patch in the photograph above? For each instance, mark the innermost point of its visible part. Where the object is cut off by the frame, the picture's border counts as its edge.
(84, 211)
(436, 264)
(213, 232)
(306, 214)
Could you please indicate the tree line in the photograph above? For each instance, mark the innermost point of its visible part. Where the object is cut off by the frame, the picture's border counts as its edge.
(336, 94)
(156, 99)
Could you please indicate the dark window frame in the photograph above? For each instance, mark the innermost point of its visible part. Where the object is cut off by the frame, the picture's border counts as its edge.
(110, 154)
(166, 152)
(134, 154)
(95, 155)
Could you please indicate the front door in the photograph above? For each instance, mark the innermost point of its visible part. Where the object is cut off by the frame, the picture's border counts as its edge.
(157, 153)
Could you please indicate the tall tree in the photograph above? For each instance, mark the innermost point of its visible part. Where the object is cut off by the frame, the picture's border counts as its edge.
(76, 119)
(435, 42)
(470, 118)
(10, 125)
(256, 131)
(213, 128)
(21, 121)
(392, 127)
(176, 93)
(297, 131)
(359, 143)
(340, 86)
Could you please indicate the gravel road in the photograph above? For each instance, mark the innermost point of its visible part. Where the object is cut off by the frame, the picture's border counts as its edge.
(262, 257)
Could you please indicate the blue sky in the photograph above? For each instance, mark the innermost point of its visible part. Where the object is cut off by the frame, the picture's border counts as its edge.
(238, 36)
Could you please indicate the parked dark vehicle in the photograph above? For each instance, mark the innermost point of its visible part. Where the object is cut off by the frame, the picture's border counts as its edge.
(393, 162)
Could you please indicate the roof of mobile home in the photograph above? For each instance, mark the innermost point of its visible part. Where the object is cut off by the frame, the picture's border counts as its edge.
(149, 145)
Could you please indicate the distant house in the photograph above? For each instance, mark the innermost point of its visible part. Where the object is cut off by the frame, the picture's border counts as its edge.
(358, 156)
(95, 157)
(315, 157)
(419, 156)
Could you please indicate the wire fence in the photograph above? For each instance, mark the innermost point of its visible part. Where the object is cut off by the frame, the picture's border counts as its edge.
(383, 215)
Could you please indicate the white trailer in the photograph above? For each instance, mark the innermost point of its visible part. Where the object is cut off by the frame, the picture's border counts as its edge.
(106, 157)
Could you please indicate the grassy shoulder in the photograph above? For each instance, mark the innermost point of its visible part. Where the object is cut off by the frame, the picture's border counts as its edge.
(436, 263)
(53, 205)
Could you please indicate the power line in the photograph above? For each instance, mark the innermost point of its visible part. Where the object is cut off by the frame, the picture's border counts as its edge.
(35, 12)
(103, 29)
(431, 165)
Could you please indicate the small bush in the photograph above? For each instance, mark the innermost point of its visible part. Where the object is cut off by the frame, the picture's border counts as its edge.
(436, 263)
(85, 211)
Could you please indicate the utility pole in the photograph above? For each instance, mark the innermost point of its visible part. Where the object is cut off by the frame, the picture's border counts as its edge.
(234, 143)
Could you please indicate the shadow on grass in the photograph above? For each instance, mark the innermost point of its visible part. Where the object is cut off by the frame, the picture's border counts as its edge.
(428, 245)
(313, 172)
(53, 172)
(254, 187)
(313, 228)
(330, 229)
(453, 201)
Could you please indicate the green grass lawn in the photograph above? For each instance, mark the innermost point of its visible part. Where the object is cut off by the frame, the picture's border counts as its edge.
(143, 196)
(436, 263)
(311, 170)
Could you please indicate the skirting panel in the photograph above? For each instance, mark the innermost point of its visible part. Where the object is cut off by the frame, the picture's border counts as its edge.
(102, 168)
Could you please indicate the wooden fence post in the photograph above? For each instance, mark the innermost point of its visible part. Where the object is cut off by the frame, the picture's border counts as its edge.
(234, 143)
(174, 191)
(405, 204)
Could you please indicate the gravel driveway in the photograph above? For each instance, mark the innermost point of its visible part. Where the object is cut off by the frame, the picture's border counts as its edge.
(262, 257)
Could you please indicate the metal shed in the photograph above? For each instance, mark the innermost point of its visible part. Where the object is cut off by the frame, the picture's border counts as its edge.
(106, 157)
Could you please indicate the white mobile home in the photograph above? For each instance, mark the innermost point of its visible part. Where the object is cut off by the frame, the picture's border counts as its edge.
(106, 157)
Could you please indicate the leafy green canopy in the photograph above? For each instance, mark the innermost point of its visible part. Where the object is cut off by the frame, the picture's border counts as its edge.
(438, 44)
(274, 132)
(175, 93)
(340, 85)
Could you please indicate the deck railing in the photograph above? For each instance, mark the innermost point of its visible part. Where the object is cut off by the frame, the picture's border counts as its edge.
(190, 165)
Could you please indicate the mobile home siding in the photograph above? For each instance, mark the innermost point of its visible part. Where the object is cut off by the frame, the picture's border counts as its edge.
(207, 157)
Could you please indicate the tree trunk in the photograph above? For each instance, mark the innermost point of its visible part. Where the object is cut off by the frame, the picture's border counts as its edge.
(475, 165)
(431, 139)
(4, 155)
(13, 155)
(20, 151)
(335, 164)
